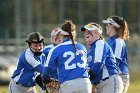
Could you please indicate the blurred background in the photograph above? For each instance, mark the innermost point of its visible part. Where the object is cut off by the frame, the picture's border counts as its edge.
(18, 18)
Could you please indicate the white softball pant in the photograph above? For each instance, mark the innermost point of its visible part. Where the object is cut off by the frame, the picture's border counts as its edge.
(112, 85)
(18, 88)
(126, 80)
(41, 91)
(79, 85)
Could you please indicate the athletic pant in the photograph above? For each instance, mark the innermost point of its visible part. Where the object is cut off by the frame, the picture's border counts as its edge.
(125, 79)
(79, 85)
(18, 88)
(112, 85)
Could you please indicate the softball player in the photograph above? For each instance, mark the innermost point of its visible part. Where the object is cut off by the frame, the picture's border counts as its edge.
(101, 61)
(55, 40)
(29, 66)
(117, 30)
(69, 58)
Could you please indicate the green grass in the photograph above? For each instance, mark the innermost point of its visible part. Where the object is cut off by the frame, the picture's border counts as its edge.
(3, 89)
(133, 88)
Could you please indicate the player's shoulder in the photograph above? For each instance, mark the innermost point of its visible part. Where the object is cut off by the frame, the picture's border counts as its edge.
(100, 43)
(49, 46)
(55, 48)
(24, 52)
(79, 45)
(120, 42)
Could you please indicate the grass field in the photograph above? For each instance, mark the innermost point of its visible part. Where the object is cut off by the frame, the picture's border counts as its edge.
(133, 88)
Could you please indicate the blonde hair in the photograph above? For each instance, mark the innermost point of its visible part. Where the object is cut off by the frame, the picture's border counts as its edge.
(98, 26)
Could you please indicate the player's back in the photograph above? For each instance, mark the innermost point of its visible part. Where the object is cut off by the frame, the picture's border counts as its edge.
(120, 51)
(71, 63)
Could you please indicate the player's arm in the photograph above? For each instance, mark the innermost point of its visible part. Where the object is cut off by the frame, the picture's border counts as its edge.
(96, 68)
(97, 59)
(50, 66)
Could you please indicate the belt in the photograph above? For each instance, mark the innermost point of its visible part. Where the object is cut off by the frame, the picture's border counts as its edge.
(98, 82)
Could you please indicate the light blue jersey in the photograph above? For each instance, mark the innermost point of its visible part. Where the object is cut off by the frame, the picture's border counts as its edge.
(101, 60)
(69, 63)
(28, 68)
(119, 48)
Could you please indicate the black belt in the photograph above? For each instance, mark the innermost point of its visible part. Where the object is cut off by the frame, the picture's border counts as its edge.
(98, 82)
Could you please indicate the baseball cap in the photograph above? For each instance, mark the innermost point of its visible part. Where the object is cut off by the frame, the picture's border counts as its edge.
(91, 27)
(111, 21)
(55, 31)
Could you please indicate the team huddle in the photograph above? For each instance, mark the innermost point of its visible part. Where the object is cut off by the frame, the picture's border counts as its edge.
(65, 66)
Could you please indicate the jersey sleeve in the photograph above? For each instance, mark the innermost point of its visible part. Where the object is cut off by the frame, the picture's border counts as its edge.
(51, 62)
(118, 48)
(98, 57)
(32, 63)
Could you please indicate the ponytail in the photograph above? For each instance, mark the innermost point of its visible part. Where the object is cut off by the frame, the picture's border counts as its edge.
(126, 31)
(71, 36)
(69, 27)
(123, 31)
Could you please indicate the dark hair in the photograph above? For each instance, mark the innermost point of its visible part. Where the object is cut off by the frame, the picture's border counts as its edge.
(69, 27)
(123, 31)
